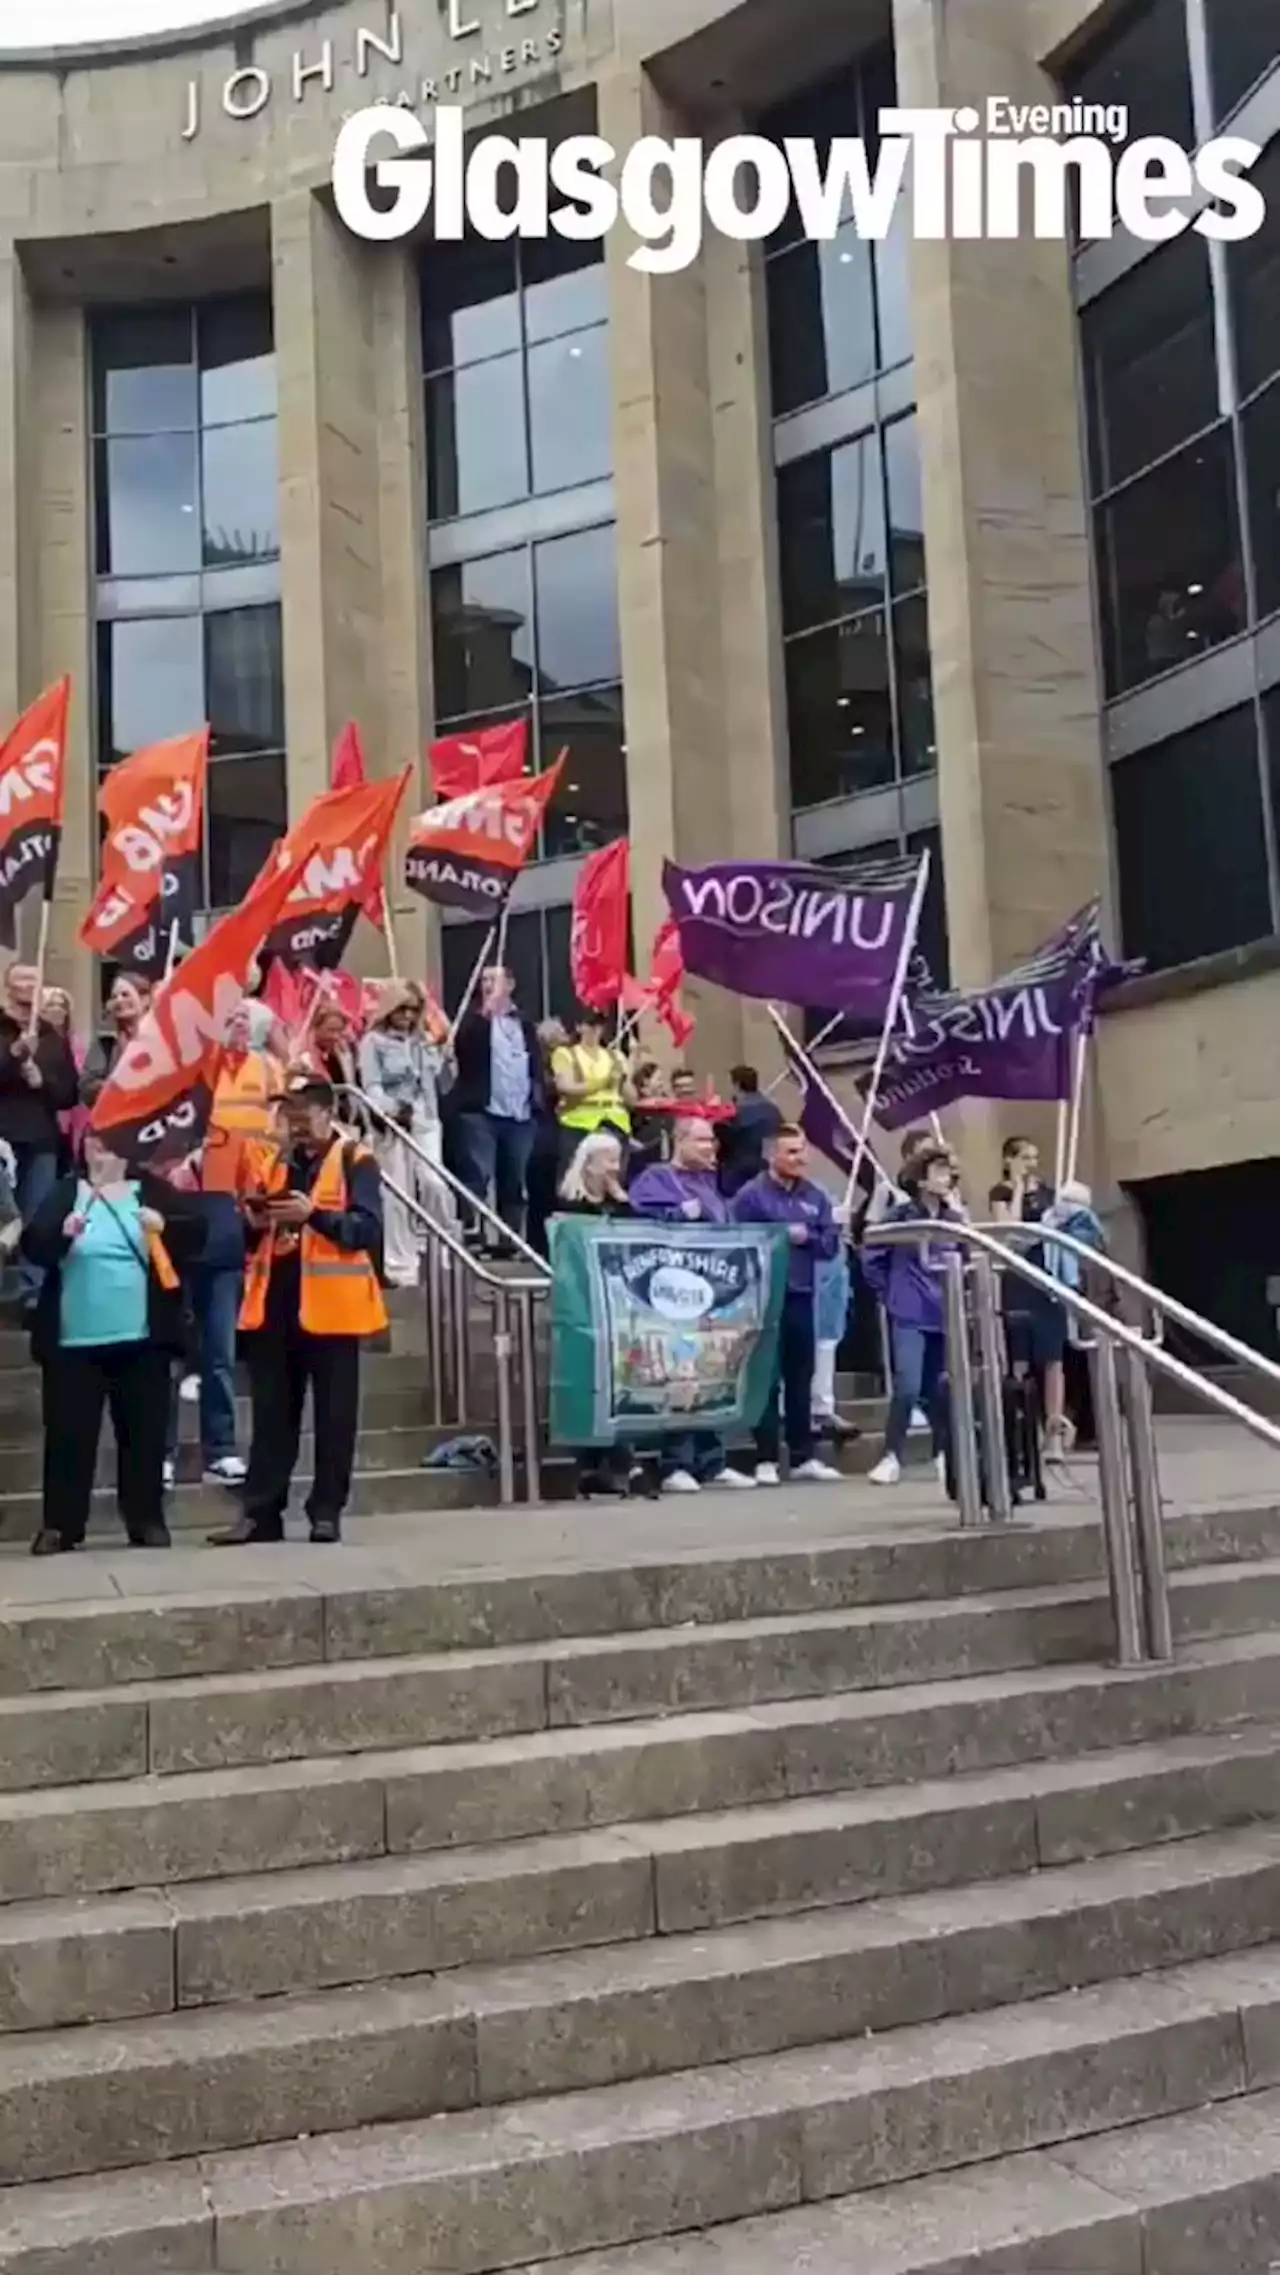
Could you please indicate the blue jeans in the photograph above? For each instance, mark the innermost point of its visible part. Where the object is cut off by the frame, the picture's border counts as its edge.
(215, 1304)
(494, 1153)
(37, 1176)
(919, 1379)
(701, 1453)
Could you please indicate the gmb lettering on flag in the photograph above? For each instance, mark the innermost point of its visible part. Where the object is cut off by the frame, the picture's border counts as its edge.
(656, 1330)
(468, 853)
(153, 806)
(33, 763)
(345, 833)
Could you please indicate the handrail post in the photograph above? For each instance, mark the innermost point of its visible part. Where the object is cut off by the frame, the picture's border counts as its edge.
(1114, 1493)
(502, 1358)
(435, 1327)
(964, 1436)
(999, 1492)
(461, 1345)
(528, 1361)
(1144, 1474)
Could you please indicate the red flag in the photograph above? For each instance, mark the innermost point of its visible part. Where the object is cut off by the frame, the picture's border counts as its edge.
(347, 771)
(469, 852)
(282, 992)
(153, 806)
(666, 963)
(634, 997)
(154, 1104)
(479, 759)
(33, 767)
(598, 937)
(345, 833)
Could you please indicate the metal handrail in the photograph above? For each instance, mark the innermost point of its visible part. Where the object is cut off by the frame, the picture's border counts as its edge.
(451, 1183)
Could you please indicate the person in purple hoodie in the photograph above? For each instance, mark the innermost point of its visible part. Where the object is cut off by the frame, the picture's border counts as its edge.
(685, 1190)
(784, 1195)
(907, 1277)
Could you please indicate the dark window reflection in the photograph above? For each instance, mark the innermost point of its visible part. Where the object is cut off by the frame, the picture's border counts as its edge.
(1190, 843)
(237, 359)
(150, 682)
(482, 620)
(144, 374)
(241, 510)
(917, 733)
(247, 811)
(1169, 564)
(245, 666)
(577, 589)
(1149, 353)
(839, 711)
(1141, 60)
(146, 509)
(470, 304)
(476, 455)
(1261, 429)
(590, 807)
(821, 320)
(1244, 44)
(1254, 268)
(906, 505)
(831, 533)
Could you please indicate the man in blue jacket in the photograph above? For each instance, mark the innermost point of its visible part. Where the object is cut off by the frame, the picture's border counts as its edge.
(784, 1194)
(685, 1190)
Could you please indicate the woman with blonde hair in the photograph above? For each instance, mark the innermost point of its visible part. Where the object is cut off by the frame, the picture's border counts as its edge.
(402, 1074)
(592, 1186)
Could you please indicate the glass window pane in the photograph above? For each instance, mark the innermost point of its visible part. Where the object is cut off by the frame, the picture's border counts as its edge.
(470, 304)
(237, 359)
(1254, 268)
(822, 335)
(590, 807)
(1190, 843)
(482, 625)
(1169, 564)
(817, 113)
(1142, 61)
(1150, 366)
(144, 374)
(241, 509)
(248, 810)
(476, 455)
(561, 995)
(916, 730)
(571, 411)
(146, 505)
(1244, 43)
(460, 944)
(576, 579)
(831, 533)
(1261, 424)
(906, 505)
(893, 289)
(839, 712)
(566, 286)
(245, 679)
(150, 682)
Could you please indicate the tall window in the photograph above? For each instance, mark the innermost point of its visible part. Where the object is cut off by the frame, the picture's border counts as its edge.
(187, 548)
(522, 553)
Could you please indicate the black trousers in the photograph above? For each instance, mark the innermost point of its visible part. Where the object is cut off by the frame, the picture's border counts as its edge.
(282, 1367)
(132, 1380)
(792, 1386)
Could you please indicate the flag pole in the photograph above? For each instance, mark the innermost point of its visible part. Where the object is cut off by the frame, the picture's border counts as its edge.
(1079, 1070)
(485, 956)
(892, 1008)
(42, 953)
(171, 960)
(816, 1045)
(389, 935)
(859, 1137)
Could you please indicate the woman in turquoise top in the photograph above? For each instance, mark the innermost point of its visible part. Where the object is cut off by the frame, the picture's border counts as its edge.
(107, 1325)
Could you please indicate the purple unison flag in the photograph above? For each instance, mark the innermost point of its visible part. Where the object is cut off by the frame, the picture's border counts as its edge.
(1004, 1042)
(788, 931)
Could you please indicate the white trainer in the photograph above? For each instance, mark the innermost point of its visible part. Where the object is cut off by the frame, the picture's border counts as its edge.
(189, 1390)
(888, 1471)
(680, 1482)
(767, 1473)
(816, 1472)
(736, 1480)
(170, 1473)
(919, 1421)
(228, 1470)
(940, 1467)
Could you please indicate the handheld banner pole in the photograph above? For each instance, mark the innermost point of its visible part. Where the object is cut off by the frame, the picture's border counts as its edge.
(42, 954)
(171, 959)
(1079, 1070)
(485, 957)
(389, 935)
(896, 993)
(816, 1045)
(856, 1136)
(1060, 1147)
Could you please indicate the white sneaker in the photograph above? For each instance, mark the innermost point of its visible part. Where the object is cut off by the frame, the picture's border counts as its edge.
(735, 1480)
(170, 1474)
(816, 1472)
(680, 1482)
(940, 1468)
(189, 1390)
(767, 1473)
(888, 1471)
(230, 1470)
(919, 1421)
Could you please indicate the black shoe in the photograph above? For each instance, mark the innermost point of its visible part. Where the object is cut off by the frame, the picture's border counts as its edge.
(151, 1536)
(242, 1534)
(50, 1543)
(325, 1531)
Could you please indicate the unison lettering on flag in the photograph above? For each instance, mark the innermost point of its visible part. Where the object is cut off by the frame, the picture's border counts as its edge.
(788, 931)
(345, 833)
(153, 806)
(468, 854)
(33, 759)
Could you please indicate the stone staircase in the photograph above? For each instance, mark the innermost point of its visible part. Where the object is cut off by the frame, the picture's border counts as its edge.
(770, 1910)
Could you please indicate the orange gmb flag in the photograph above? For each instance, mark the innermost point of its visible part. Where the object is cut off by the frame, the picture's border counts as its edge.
(155, 1103)
(33, 765)
(479, 758)
(153, 806)
(346, 833)
(347, 771)
(467, 854)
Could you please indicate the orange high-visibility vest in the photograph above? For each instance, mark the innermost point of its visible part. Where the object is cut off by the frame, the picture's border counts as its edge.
(241, 1111)
(340, 1291)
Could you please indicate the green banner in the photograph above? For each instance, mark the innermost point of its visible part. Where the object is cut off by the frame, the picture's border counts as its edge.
(661, 1328)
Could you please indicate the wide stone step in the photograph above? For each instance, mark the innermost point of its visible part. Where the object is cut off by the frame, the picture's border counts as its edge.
(268, 1617)
(238, 2075)
(83, 1839)
(278, 1932)
(1186, 2195)
(485, 2190)
(291, 1714)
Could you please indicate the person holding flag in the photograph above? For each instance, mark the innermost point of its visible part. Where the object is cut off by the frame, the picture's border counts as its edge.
(38, 1082)
(592, 1084)
(785, 1195)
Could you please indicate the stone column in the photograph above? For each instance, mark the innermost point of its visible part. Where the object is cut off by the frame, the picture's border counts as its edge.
(61, 532)
(695, 563)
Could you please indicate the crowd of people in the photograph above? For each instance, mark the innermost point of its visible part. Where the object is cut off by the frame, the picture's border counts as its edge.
(312, 1191)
